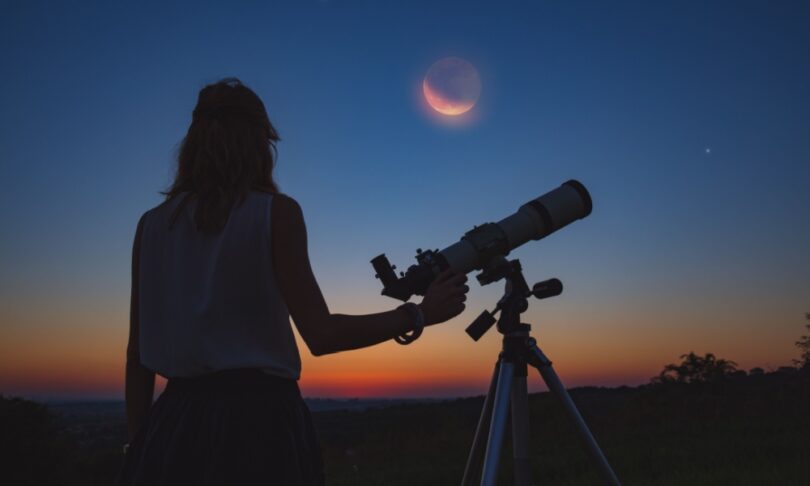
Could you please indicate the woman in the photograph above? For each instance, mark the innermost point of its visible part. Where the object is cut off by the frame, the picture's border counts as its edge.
(217, 270)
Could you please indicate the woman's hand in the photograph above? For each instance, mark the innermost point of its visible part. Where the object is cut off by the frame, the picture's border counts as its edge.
(445, 297)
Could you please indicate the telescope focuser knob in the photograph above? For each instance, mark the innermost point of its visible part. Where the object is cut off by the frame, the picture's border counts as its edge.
(480, 325)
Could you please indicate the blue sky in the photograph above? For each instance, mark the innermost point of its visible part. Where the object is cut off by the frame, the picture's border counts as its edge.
(626, 97)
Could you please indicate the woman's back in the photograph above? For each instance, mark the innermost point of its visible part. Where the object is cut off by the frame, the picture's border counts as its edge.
(210, 301)
(211, 293)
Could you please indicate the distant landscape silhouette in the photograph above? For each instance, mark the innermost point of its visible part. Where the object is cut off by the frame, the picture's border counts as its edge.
(699, 422)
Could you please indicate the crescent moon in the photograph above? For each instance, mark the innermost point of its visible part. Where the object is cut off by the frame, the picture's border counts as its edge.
(443, 106)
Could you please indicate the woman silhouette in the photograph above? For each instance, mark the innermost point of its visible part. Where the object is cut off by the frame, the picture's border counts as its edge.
(217, 271)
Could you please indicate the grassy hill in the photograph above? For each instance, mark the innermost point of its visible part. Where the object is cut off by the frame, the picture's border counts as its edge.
(739, 431)
(750, 431)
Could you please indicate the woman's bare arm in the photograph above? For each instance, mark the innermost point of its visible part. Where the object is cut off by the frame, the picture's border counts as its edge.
(140, 382)
(324, 332)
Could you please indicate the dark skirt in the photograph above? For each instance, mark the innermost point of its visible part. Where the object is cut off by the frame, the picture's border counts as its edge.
(236, 427)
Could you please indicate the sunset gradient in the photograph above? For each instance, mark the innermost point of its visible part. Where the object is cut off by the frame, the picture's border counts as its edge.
(688, 123)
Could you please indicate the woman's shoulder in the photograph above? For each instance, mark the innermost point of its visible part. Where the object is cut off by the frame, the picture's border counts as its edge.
(286, 211)
(279, 201)
(167, 205)
(286, 202)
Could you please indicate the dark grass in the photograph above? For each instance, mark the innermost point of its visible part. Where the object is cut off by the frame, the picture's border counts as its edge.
(754, 431)
(742, 431)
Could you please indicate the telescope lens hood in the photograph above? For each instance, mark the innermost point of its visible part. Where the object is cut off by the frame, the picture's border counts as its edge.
(583, 193)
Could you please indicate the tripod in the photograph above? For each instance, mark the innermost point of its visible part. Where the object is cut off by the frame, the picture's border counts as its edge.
(509, 383)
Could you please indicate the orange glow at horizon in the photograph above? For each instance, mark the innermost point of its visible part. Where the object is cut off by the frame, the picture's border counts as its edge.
(84, 354)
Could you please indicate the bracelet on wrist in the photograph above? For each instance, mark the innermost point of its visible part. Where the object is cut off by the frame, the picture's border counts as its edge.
(419, 324)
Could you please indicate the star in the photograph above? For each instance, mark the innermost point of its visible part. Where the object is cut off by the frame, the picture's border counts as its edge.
(708, 150)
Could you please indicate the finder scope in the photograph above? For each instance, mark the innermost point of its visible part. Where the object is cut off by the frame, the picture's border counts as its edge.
(534, 220)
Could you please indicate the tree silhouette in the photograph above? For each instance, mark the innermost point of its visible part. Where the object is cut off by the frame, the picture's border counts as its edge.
(696, 369)
(804, 346)
(33, 448)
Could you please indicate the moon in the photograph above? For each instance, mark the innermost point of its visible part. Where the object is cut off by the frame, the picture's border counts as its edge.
(452, 86)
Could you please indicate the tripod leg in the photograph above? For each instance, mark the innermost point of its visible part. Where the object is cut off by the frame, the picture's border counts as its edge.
(472, 473)
(497, 428)
(520, 427)
(543, 365)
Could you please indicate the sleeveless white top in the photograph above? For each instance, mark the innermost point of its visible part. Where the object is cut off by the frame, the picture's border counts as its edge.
(210, 302)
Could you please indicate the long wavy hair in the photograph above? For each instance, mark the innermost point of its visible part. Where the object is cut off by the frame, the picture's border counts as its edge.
(229, 150)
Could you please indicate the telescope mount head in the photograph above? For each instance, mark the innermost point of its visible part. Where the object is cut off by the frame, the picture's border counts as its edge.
(514, 301)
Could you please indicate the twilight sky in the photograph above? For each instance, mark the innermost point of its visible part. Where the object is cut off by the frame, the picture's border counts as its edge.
(689, 122)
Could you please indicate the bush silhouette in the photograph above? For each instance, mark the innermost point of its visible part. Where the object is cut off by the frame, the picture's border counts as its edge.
(696, 369)
(34, 449)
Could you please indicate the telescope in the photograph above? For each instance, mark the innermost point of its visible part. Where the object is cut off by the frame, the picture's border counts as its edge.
(485, 248)
(534, 220)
